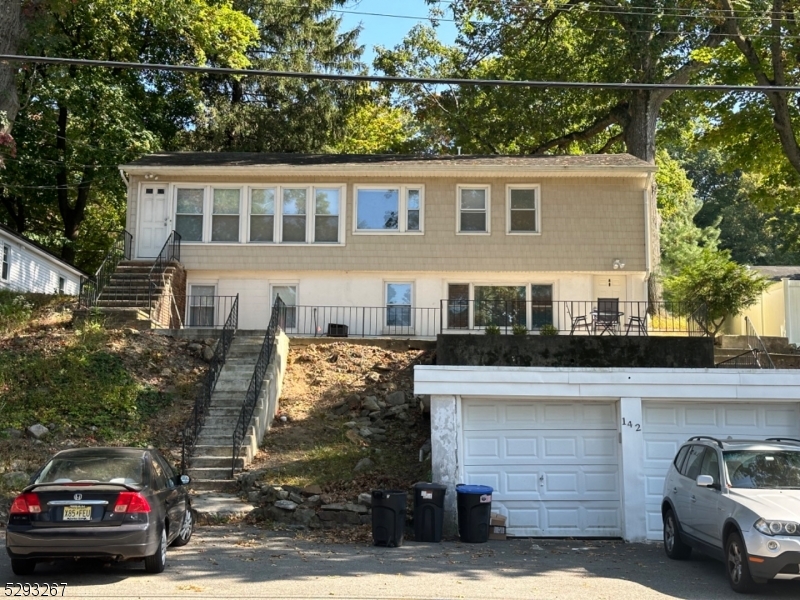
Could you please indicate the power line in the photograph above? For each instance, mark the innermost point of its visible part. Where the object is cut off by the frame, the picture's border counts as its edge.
(400, 80)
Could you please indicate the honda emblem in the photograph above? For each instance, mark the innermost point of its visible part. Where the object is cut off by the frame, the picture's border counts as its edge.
(78, 496)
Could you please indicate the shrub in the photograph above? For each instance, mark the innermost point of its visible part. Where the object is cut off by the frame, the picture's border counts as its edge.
(519, 329)
(492, 330)
(548, 329)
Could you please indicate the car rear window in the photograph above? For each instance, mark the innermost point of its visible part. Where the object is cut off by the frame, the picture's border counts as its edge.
(763, 469)
(104, 469)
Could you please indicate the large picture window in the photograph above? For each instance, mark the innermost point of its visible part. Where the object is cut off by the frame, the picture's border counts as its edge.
(473, 209)
(477, 306)
(503, 306)
(389, 209)
(189, 213)
(523, 209)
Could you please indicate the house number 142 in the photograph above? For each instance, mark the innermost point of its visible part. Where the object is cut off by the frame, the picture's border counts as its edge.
(631, 424)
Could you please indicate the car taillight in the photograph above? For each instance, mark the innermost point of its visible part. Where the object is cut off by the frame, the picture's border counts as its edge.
(131, 502)
(26, 504)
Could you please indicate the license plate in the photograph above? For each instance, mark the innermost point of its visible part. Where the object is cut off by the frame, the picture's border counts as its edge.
(77, 513)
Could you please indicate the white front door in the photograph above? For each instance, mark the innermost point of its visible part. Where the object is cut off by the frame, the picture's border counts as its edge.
(611, 286)
(153, 220)
(554, 465)
(667, 425)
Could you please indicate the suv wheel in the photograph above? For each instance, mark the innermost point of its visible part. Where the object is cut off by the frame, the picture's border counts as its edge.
(674, 546)
(736, 564)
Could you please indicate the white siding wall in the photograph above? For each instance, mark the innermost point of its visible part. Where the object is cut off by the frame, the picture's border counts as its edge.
(353, 289)
(32, 271)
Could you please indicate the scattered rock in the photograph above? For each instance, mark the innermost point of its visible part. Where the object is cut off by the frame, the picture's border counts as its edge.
(365, 499)
(196, 348)
(296, 498)
(166, 372)
(253, 497)
(365, 464)
(13, 433)
(312, 490)
(396, 398)
(372, 376)
(303, 516)
(334, 506)
(312, 500)
(283, 494)
(351, 424)
(285, 505)
(38, 431)
(365, 432)
(370, 403)
(356, 508)
(208, 353)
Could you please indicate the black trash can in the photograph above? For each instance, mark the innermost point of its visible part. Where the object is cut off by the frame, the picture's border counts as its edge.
(474, 512)
(388, 517)
(428, 511)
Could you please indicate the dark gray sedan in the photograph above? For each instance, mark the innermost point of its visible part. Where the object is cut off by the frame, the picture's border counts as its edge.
(108, 503)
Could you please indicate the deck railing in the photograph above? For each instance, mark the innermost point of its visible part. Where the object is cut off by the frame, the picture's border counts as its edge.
(362, 321)
(604, 316)
(195, 423)
(91, 288)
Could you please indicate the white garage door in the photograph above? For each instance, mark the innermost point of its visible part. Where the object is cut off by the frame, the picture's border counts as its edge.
(554, 465)
(666, 425)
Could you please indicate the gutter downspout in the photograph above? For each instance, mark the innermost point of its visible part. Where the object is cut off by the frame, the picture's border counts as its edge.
(648, 247)
(125, 179)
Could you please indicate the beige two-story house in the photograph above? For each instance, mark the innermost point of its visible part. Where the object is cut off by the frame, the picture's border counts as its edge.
(410, 245)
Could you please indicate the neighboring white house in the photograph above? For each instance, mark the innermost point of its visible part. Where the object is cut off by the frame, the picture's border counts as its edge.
(27, 267)
(583, 452)
(386, 238)
(777, 311)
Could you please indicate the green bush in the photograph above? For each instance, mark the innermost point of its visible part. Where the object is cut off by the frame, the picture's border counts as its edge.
(519, 329)
(492, 330)
(548, 329)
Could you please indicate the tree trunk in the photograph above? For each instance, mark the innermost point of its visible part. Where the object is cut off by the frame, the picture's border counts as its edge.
(10, 33)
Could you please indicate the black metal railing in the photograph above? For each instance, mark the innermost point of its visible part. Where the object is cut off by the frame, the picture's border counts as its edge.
(746, 360)
(91, 288)
(361, 321)
(195, 422)
(200, 311)
(170, 251)
(756, 344)
(604, 316)
(276, 325)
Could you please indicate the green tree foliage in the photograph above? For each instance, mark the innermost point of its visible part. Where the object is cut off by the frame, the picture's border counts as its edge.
(377, 127)
(77, 124)
(724, 286)
(268, 114)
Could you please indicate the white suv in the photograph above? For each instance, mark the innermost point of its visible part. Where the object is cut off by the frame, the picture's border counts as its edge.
(739, 501)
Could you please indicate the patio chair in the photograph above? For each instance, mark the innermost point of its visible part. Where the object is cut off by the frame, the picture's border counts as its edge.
(607, 316)
(639, 320)
(579, 321)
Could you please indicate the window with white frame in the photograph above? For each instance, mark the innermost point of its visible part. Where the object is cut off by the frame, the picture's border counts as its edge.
(398, 304)
(523, 209)
(288, 295)
(61, 285)
(262, 215)
(473, 209)
(189, 210)
(505, 306)
(225, 214)
(201, 305)
(4, 272)
(300, 215)
(388, 209)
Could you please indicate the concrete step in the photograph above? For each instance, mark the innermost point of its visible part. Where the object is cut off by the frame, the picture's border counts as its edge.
(212, 484)
(210, 462)
(218, 438)
(213, 450)
(210, 472)
(227, 413)
(779, 345)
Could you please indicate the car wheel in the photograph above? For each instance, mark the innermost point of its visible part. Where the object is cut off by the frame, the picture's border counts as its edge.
(674, 546)
(156, 562)
(23, 566)
(736, 564)
(187, 527)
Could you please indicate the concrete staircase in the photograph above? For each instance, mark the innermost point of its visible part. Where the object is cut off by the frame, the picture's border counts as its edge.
(783, 354)
(129, 286)
(210, 464)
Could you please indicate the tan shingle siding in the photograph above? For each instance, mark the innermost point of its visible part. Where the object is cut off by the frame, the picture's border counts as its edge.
(586, 223)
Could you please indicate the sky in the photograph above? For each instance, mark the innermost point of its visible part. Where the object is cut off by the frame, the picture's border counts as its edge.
(388, 31)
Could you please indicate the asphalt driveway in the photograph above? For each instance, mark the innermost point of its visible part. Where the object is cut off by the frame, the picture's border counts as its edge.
(245, 562)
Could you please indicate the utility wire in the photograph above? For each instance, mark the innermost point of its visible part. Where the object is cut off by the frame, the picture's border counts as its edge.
(514, 83)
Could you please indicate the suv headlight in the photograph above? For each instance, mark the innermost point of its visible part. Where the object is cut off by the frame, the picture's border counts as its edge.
(777, 527)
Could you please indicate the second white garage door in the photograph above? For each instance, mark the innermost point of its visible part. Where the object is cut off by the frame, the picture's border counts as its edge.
(554, 466)
(666, 425)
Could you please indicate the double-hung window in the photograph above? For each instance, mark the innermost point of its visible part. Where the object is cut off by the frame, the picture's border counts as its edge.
(4, 272)
(398, 305)
(473, 209)
(389, 209)
(189, 211)
(522, 216)
(225, 215)
(295, 215)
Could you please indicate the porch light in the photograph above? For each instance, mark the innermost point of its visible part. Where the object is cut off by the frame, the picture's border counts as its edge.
(618, 264)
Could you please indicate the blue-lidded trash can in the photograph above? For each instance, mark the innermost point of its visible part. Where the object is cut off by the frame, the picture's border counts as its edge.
(474, 512)
(428, 511)
(388, 517)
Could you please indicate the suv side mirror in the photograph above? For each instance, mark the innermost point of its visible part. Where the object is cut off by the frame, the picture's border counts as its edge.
(705, 481)
(182, 480)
